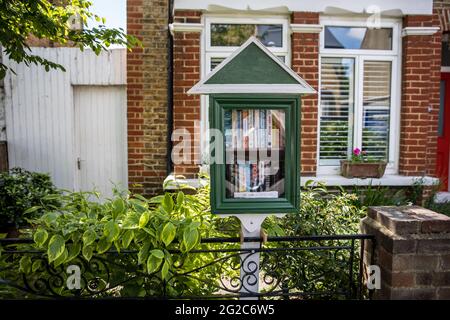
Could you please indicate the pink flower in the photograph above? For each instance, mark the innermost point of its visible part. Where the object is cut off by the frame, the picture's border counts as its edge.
(356, 151)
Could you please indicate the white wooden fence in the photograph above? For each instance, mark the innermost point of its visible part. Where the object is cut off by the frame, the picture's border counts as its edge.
(70, 124)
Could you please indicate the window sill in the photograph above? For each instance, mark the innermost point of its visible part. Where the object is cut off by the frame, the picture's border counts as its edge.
(394, 180)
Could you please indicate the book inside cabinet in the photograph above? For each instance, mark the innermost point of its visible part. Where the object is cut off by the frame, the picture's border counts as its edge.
(255, 143)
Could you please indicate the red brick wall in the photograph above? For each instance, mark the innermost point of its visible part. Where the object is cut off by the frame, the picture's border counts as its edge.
(186, 108)
(147, 96)
(305, 61)
(420, 91)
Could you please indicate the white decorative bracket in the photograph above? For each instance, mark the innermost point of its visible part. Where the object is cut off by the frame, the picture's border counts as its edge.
(306, 28)
(419, 31)
(185, 27)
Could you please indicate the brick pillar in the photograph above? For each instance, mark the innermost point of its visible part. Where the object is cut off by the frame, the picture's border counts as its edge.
(412, 249)
(305, 61)
(147, 95)
(186, 73)
(435, 80)
(420, 98)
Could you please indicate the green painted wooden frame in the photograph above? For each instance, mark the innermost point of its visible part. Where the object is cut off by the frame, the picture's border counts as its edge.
(291, 201)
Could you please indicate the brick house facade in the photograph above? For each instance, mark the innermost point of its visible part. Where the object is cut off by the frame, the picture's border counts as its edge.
(151, 115)
(147, 95)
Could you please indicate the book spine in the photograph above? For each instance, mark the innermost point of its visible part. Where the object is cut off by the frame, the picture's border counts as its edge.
(269, 129)
(267, 177)
(254, 169)
(242, 178)
(251, 128)
(245, 128)
(256, 130)
(228, 122)
(275, 130)
(239, 129)
(282, 129)
(247, 177)
(261, 174)
(234, 128)
(263, 130)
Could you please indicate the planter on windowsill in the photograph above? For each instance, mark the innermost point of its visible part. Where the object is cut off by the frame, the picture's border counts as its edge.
(362, 169)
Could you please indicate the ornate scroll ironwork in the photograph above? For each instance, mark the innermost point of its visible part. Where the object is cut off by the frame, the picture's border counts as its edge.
(290, 267)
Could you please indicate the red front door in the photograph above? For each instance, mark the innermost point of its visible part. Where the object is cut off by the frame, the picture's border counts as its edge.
(443, 144)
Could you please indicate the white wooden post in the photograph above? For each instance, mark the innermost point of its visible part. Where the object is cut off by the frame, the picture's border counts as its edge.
(250, 261)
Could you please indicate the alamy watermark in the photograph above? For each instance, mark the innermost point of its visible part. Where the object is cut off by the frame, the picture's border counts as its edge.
(373, 277)
(74, 279)
(229, 147)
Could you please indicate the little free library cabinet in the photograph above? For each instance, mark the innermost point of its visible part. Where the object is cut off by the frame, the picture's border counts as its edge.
(254, 107)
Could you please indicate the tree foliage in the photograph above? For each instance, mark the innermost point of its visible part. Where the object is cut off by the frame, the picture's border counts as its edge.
(63, 22)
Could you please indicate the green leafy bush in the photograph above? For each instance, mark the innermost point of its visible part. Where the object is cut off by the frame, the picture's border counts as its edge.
(321, 213)
(443, 208)
(23, 195)
(368, 196)
(166, 232)
(85, 228)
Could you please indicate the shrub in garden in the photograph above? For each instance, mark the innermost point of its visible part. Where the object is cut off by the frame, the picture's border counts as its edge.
(164, 231)
(23, 195)
(160, 232)
(321, 213)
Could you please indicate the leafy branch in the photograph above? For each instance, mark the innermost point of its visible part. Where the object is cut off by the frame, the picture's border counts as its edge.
(62, 22)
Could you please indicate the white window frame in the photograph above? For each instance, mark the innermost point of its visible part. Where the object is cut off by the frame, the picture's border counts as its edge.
(359, 56)
(232, 19)
(209, 52)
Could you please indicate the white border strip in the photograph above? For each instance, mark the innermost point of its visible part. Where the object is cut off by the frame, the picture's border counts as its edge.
(397, 7)
(306, 28)
(251, 88)
(394, 180)
(419, 31)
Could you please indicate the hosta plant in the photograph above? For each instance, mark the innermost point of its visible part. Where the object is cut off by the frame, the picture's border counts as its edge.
(151, 238)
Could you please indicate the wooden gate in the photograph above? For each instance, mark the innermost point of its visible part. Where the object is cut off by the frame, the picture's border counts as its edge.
(40, 116)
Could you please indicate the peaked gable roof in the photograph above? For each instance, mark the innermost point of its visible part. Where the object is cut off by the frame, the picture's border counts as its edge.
(252, 69)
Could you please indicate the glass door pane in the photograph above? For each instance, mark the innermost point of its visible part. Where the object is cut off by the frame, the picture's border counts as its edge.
(255, 153)
(336, 109)
(376, 109)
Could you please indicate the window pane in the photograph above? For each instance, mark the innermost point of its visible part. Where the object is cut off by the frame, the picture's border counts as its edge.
(215, 61)
(376, 108)
(358, 38)
(234, 35)
(255, 152)
(336, 109)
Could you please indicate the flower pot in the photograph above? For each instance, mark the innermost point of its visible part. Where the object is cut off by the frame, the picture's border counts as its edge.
(362, 169)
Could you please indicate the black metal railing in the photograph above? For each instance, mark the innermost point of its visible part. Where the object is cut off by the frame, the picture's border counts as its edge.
(301, 267)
